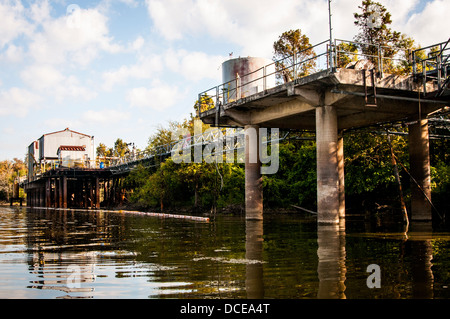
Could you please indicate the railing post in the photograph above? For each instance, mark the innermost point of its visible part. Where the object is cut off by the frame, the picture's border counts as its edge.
(199, 104)
(238, 87)
(264, 78)
(217, 106)
(439, 67)
(424, 71)
(380, 60)
(335, 54)
(294, 66)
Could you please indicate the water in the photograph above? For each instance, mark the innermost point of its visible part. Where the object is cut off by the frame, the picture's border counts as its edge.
(78, 254)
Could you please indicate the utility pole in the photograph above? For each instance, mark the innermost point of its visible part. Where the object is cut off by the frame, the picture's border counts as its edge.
(331, 34)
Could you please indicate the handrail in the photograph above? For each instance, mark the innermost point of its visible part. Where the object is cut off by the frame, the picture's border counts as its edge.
(232, 90)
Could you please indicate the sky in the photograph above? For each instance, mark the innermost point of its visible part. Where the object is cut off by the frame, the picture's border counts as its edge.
(122, 68)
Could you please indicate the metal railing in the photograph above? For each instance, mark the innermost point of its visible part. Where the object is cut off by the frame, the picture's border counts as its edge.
(385, 59)
(432, 63)
(341, 54)
(284, 70)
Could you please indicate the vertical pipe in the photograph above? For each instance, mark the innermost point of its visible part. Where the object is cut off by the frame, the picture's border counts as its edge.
(331, 35)
(328, 202)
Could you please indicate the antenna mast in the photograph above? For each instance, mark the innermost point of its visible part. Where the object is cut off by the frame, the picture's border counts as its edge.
(331, 34)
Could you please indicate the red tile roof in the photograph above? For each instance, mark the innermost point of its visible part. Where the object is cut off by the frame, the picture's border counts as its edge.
(71, 148)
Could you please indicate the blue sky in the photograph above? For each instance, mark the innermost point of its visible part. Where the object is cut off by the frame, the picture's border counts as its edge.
(121, 68)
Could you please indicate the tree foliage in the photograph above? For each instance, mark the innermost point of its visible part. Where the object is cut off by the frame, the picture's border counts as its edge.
(382, 45)
(293, 47)
(9, 171)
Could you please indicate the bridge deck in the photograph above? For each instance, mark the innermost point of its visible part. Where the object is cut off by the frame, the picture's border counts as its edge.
(358, 104)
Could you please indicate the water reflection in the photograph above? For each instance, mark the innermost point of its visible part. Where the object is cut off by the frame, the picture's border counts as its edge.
(422, 252)
(69, 254)
(331, 262)
(61, 250)
(254, 282)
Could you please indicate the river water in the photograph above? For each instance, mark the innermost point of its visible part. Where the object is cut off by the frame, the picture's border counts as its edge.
(78, 254)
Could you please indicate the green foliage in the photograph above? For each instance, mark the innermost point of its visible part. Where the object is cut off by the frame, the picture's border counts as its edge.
(377, 39)
(289, 43)
(346, 53)
(295, 181)
(9, 171)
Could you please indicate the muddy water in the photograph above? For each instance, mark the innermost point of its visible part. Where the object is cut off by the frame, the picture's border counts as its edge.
(79, 254)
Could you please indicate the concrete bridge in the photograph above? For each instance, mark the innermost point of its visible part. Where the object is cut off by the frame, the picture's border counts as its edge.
(331, 101)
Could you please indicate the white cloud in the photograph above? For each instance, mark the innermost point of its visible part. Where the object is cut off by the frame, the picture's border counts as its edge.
(74, 39)
(429, 27)
(13, 22)
(253, 25)
(60, 123)
(17, 101)
(158, 97)
(194, 66)
(13, 54)
(40, 11)
(105, 116)
(46, 78)
(146, 68)
(137, 44)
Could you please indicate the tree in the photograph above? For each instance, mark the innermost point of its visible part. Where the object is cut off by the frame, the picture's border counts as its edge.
(120, 148)
(205, 103)
(382, 45)
(293, 48)
(9, 171)
(373, 25)
(346, 53)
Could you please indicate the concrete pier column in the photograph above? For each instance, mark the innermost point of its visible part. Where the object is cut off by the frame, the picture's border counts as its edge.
(253, 178)
(328, 186)
(419, 160)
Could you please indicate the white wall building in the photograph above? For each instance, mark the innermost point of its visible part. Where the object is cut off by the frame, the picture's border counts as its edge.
(77, 147)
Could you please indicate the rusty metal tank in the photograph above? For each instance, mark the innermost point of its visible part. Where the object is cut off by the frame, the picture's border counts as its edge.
(243, 77)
